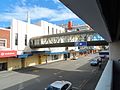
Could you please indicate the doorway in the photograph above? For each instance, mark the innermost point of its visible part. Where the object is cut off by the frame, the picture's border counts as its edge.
(3, 66)
(22, 62)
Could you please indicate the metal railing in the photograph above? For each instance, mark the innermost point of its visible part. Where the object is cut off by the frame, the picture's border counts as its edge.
(105, 82)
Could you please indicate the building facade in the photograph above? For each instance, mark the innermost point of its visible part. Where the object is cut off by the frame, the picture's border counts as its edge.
(14, 44)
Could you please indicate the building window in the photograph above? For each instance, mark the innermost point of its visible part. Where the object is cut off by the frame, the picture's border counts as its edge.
(16, 39)
(25, 39)
(2, 43)
(55, 57)
(48, 30)
(56, 31)
(52, 30)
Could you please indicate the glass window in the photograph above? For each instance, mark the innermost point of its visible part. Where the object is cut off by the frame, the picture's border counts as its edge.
(48, 30)
(25, 39)
(52, 30)
(65, 87)
(16, 38)
(52, 88)
(2, 43)
(55, 57)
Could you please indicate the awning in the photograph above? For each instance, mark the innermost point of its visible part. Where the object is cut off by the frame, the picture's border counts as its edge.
(24, 55)
(40, 52)
(48, 52)
(53, 53)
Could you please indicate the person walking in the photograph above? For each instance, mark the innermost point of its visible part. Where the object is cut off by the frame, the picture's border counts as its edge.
(100, 65)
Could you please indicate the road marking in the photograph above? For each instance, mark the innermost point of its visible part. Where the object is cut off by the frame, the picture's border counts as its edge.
(60, 76)
(58, 72)
(21, 87)
(93, 70)
(75, 88)
(38, 80)
(83, 84)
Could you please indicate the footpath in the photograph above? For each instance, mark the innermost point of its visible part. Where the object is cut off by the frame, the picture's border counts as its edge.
(7, 73)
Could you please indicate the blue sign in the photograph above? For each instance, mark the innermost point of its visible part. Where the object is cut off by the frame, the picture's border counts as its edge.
(80, 43)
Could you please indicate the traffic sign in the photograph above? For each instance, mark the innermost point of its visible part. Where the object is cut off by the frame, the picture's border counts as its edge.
(80, 43)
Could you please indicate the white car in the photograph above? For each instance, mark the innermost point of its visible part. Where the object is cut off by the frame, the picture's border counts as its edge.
(60, 85)
(94, 62)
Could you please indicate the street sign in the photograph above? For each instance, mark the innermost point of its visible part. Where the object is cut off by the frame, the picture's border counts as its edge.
(80, 43)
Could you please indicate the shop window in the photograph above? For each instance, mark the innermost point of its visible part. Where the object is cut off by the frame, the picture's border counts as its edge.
(54, 57)
(16, 38)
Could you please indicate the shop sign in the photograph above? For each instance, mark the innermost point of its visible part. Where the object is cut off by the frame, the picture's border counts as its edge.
(11, 53)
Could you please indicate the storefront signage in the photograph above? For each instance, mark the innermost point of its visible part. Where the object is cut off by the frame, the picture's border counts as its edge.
(10, 53)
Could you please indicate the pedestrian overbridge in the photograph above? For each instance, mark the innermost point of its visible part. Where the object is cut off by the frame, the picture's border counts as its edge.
(67, 39)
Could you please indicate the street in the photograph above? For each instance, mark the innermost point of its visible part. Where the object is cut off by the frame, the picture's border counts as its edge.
(78, 72)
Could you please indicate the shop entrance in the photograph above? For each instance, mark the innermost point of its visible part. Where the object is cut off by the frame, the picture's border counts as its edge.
(22, 62)
(3, 66)
(39, 60)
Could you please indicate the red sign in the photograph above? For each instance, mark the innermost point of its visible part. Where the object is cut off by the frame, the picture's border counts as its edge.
(6, 53)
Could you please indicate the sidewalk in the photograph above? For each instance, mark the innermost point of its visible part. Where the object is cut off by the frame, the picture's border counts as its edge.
(89, 56)
(9, 73)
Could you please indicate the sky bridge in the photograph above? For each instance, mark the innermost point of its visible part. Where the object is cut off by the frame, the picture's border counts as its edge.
(67, 39)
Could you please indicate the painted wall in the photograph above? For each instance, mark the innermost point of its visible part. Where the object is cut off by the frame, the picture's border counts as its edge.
(2, 60)
(114, 50)
(32, 60)
(14, 63)
(23, 28)
(56, 28)
(5, 34)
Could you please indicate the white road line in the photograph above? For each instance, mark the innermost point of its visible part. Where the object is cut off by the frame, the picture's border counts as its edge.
(60, 76)
(21, 87)
(83, 84)
(75, 88)
(58, 72)
(38, 80)
(93, 70)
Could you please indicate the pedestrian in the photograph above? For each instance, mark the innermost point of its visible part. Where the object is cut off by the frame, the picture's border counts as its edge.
(100, 65)
(46, 61)
(65, 56)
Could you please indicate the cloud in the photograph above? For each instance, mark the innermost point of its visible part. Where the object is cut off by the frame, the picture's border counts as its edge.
(56, 1)
(23, 2)
(38, 13)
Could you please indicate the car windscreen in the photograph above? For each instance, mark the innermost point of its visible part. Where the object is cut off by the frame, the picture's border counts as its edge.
(52, 88)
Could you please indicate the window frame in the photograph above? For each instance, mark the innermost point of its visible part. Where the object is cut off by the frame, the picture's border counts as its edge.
(4, 43)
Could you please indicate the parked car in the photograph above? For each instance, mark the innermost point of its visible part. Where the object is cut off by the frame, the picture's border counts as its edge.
(94, 62)
(60, 85)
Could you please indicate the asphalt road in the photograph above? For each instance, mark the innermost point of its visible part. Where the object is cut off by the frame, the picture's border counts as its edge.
(78, 72)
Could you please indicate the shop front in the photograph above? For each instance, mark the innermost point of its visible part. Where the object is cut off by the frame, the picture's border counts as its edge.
(5, 55)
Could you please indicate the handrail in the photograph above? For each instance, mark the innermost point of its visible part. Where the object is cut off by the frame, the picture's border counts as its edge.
(105, 82)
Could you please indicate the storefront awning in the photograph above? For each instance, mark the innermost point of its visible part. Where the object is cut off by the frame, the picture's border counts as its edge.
(24, 55)
(48, 52)
(40, 52)
(53, 53)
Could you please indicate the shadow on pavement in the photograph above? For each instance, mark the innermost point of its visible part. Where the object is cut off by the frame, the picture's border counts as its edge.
(85, 78)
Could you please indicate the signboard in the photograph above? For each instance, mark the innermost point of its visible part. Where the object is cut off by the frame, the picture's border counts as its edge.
(6, 53)
(80, 43)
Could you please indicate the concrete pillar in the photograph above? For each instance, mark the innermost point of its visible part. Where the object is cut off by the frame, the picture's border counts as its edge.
(114, 50)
